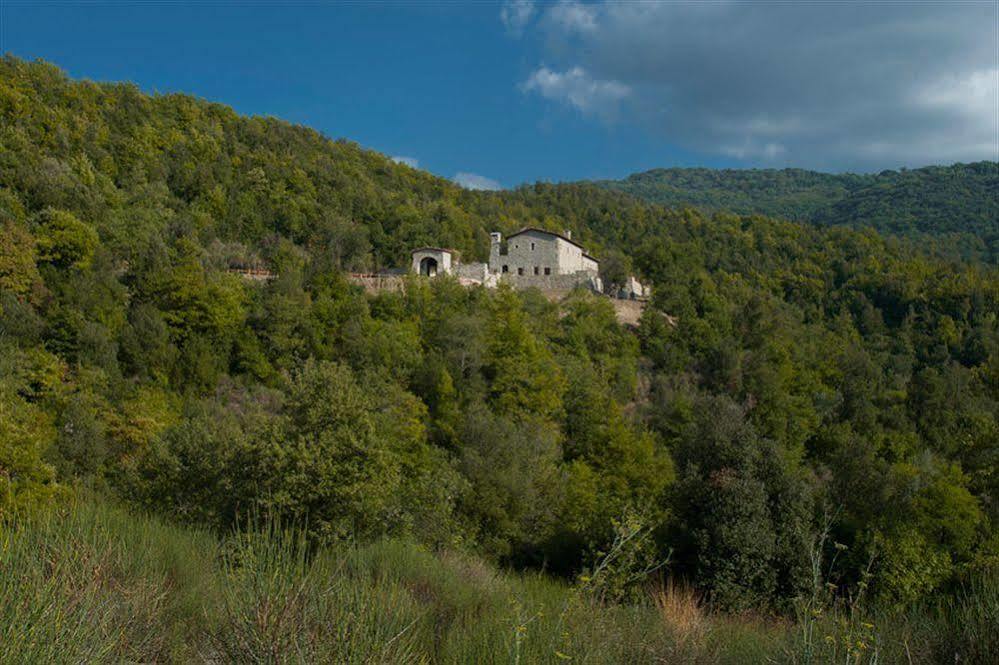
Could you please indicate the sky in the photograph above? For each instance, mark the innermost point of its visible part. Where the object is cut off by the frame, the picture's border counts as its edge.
(495, 94)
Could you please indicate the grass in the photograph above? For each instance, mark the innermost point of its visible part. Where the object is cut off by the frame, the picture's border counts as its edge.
(96, 584)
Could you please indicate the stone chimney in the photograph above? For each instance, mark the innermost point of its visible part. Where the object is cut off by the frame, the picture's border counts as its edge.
(568, 234)
(496, 237)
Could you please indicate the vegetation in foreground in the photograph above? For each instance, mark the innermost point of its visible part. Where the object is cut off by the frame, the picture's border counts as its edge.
(96, 584)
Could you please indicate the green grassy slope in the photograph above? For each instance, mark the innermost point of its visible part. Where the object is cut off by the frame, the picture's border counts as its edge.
(99, 585)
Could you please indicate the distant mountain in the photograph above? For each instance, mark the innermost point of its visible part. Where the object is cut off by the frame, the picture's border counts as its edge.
(963, 198)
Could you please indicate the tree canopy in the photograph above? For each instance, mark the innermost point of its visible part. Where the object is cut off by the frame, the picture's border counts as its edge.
(959, 202)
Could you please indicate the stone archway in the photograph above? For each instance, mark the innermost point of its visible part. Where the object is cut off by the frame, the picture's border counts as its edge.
(428, 266)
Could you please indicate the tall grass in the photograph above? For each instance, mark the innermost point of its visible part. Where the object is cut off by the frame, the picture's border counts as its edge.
(93, 584)
(97, 585)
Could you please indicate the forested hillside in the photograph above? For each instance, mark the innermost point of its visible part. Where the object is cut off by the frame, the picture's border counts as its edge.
(961, 199)
(822, 418)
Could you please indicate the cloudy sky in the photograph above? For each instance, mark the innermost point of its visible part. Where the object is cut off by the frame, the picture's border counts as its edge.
(496, 94)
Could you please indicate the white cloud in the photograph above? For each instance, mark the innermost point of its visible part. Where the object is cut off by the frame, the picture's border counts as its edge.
(576, 87)
(750, 149)
(826, 85)
(408, 161)
(516, 14)
(475, 181)
(572, 16)
(974, 94)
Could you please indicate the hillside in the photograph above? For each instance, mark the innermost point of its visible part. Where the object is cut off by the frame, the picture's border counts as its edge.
(793, 393)
(963, 198)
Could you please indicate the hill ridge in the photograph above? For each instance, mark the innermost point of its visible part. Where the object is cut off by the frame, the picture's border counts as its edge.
(935, 200)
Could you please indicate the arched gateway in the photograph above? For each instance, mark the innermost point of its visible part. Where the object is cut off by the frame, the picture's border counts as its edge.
(432, 261)
(428, 266)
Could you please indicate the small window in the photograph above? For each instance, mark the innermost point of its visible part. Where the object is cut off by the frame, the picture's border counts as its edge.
(506, 268)
(520, 271)
(548, 271)
(535, 270)
(532, 246)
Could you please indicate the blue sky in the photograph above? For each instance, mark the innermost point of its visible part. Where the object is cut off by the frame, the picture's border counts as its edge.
(520, 91)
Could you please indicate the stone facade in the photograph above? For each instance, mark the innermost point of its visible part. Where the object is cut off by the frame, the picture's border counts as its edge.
(539, 253)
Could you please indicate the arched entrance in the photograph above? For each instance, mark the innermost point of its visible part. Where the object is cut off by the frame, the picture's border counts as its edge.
(428, 266)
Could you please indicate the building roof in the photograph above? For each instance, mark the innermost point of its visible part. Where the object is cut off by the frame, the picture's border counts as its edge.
(433, 249)
(557, 235)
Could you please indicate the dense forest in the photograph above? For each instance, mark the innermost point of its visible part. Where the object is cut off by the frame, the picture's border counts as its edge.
(820, 409)
(959, 202)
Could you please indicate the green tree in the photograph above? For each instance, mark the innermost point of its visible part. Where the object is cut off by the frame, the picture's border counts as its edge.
(18, 272)
(65, 241)
(515, 484)
(522, 374)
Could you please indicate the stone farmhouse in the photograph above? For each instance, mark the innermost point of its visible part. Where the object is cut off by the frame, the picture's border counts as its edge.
(530, 257)
(536, 253)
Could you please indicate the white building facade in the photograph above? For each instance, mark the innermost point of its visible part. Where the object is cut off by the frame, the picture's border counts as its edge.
(433, 261)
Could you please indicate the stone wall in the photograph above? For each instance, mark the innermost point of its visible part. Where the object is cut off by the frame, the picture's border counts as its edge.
(475, 273)
(374, 283)
(552, 282)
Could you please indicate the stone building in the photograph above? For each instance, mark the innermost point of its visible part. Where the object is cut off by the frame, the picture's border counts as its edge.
(542, 259)
(535, 252)
(431, 261)
(529, 258)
